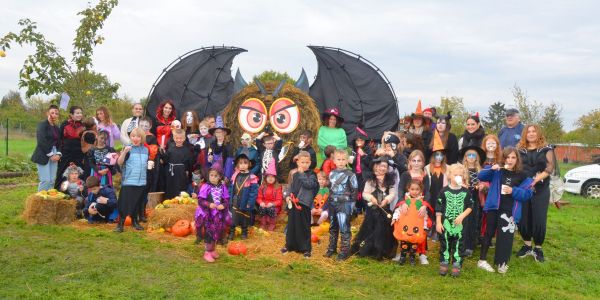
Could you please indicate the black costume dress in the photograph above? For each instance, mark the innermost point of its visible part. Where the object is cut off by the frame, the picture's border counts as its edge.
(375, 237)
(178, 164)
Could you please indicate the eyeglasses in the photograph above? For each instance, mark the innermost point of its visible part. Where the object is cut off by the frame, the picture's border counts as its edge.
(471, 155)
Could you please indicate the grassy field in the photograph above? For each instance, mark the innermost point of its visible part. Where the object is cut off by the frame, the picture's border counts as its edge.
(93, 262)
(21, 145)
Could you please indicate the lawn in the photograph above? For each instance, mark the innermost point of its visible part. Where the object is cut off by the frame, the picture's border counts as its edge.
(93, 262)
(20, 146)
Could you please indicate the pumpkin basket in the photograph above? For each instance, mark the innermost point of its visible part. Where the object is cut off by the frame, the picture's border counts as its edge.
(49, 210)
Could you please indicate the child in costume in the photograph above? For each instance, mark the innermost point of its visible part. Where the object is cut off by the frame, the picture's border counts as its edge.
(305, 144)
(344, 187)
(134, 163)
(248, 149)
(472, 156)
(361, 161)
(178, 160)
(73, 187)
(269, 147)
(319, 211)
(454, 205)
(436, 171)
(328, 164)
(392, 148)
(410, 222)
(190, 125)
(220, 154)
(101, 202)
(212, 215)
(509, 188)
(270, 198)
(375, 238)
(301, 192)
(493, 155)
(243, 191)
(201, 148)
(102, 159)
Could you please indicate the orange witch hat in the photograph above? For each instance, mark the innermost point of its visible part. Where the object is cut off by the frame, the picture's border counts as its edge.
(419, 111)
(438, 145)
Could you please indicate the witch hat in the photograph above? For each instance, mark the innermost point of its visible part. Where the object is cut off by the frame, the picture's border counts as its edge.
(334, 111)
(361, 132)
(219, 125)
(271, 170)
(438, 145)
(418, 112)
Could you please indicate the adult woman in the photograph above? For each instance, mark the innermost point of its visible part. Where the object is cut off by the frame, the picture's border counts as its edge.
(70, 136)
(161, 125)
(46, 154)
(375, 236)
(473, 134)
(105, 123)
(538, 163)
(331, 133)
(130, 123)
(449, 140)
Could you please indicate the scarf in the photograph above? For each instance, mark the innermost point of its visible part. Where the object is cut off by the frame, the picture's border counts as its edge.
(133, 124)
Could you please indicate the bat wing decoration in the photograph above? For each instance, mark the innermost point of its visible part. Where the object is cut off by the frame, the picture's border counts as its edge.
(199, 80)
(358, 88)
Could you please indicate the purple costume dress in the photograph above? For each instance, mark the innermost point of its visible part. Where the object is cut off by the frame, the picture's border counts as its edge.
(213, 221)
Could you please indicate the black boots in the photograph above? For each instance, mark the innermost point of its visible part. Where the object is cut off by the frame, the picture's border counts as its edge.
(119, 227)
(231, 235)
(244, 233)
(135, 224)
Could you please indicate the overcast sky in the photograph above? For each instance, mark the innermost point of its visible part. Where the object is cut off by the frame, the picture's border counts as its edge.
(477, 50)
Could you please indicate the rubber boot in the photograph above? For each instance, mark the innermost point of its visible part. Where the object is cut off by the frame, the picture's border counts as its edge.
(245, 233)
(119, 227)
(332, 248)
(135, 224)
(231, 235)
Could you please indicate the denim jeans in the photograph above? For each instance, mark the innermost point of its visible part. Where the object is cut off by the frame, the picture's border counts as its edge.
(47, 175)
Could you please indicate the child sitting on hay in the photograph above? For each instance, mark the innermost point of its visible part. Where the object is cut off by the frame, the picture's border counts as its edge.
(212, 215)
(73, 187)
(101, 202)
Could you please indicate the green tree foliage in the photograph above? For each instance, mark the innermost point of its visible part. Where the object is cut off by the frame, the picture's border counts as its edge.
(494, 120)
(271, 75)
(588, 129)
(12, 98)
(530, 111)
(456, 106)
(552, 123)
(47, 71)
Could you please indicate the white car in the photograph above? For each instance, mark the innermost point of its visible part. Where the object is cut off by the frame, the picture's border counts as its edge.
(584, 180)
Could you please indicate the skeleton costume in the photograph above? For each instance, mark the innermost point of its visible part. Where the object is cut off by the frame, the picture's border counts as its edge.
(452, 203)
(503, 210)
(344, 186)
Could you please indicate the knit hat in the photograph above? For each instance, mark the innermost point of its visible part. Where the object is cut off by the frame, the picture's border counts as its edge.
(219, 125)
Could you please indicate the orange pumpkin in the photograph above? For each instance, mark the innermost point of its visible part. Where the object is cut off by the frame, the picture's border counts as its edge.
(409, 228)
(181, 228)
(128, 221)
(314, 238)
(237, 248)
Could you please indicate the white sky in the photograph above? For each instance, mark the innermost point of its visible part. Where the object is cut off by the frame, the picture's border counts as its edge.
(477, 50)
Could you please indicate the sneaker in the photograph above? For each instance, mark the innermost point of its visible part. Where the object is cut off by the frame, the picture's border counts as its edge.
(503, 268)
(397, 257)
(329, 253)
(524, 251)
(214, 254)
(423, 259)
(484, 265)
(402, 260)
(468, 253)
(538, 254)
(455, 270)
(306, 254)
(208, 258)
(284, 250)
(443, 268)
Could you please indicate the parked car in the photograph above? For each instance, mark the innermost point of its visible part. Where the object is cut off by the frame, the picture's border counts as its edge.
(584, 180)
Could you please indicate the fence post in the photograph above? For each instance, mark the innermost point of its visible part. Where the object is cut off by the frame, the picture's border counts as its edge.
(6, 137)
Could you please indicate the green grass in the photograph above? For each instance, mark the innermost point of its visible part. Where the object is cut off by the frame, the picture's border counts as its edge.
(20, 146)
(67, 262)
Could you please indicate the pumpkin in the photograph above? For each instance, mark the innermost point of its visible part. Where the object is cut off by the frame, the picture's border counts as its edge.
(128, 221)
(237, 248)
(314, 238)
(181, 228)
(409, 228)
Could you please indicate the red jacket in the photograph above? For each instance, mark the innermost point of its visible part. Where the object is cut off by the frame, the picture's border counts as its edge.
(269, 194)
(328, 166)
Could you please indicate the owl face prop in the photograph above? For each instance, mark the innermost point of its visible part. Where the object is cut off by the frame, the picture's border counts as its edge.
(409, 228)
(283, 116)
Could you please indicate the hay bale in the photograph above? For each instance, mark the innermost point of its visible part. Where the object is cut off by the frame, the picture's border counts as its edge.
(48, 211)
(166, 217)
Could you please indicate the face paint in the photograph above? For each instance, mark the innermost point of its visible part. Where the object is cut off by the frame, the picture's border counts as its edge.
(438, 156)
(189, 118)
(490, 145)
(458, 180)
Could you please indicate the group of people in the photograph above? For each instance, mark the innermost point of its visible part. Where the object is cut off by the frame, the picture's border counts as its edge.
(462, 192)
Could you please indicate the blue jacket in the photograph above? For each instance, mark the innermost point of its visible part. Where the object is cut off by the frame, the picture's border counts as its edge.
(522, 193)
(510, 136)
(246, 199)
(135, 166)
(107, 192)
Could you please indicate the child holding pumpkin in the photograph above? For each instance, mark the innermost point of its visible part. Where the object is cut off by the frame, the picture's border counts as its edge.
(509, 188)
(211, 215)
(302, 190)
(453, 206)
(319, 211)
(410, 221)
(270, 198)
(243, 191)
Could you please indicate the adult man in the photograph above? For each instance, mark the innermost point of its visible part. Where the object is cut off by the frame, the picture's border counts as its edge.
(510, 134)
(130, 123)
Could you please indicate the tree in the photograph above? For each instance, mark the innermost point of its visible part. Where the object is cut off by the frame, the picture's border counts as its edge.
(494, 120)
(47, 71)
(530, 111)
(12, 99)
(456, 106)
(590, 120)
(271, 75)
(588, 129)
(552, 123)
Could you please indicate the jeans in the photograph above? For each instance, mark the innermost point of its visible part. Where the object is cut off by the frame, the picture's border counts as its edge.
(47, 175)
